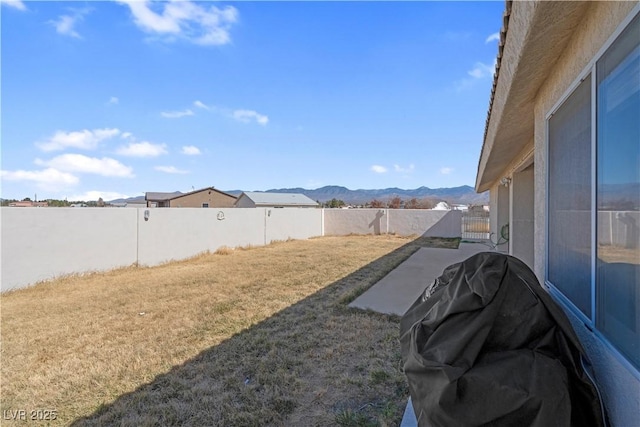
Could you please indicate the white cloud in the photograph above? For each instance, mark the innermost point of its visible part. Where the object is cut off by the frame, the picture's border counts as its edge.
(83, 139)
(83, 164)
(176, 114)
(446, 170)
(400, 169)
(16, 4)
(201, 104)
(378, 169)
(241, 115)
(65, 23)
(126, 135)
(191, 150)
(113, 100)
(493, 37)
(170, 169)
(481, 70)
(198, 23)
(142, 149)
(246, 116)
(94, 195)
(47, 179)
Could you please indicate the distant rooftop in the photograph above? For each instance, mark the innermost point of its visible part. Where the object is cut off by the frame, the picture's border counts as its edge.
(155, 196)
(286, 199)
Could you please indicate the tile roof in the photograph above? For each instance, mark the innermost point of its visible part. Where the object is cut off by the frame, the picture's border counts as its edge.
(503, 36)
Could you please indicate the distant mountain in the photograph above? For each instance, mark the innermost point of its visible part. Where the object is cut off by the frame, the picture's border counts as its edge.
(619, 196)
(138, 199)
(462, 195)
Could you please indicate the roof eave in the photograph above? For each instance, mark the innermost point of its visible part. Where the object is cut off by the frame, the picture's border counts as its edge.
(535, 35)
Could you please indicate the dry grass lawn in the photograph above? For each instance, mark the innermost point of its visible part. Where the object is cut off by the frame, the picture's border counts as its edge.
(260, 336)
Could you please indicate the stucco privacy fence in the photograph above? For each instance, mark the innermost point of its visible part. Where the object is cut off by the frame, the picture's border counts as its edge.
(404, 222)
(44, 243)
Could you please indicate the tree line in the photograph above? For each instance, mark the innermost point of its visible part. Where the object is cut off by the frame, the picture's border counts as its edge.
(392, 203)
(58, 203)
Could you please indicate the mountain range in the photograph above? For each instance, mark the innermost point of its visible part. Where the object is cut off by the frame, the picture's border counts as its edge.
(459, 195)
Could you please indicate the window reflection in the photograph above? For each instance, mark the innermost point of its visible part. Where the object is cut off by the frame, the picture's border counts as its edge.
(618, 193)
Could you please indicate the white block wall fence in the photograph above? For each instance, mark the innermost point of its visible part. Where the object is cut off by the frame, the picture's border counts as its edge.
(404, 222)
(43, 243)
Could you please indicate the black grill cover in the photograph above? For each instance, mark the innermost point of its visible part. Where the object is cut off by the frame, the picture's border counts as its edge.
(486, 345)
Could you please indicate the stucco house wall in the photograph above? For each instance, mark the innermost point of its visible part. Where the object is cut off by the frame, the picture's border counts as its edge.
(587, 31)
(213, 197)
(619, 386)
(597, 26)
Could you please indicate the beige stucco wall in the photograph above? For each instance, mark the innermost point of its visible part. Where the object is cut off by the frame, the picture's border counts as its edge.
(340, 222)
(42, 243)
(493, 207)
(620, 389)
(291, 223)
(173, 234)
(504, 203)
(428, 223)
(405, 222)
(214, 198)
(39, 244)
(599, 23)
(521, 243)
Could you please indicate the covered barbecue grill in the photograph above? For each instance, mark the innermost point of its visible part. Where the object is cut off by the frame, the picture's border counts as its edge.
(486, 345)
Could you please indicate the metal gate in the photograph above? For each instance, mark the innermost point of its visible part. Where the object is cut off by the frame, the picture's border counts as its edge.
(475, 224)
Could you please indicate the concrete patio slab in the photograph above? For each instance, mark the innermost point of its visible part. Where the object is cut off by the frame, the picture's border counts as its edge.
(395, 292)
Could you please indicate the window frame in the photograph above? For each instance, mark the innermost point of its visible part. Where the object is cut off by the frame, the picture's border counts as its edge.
(589, 69)
(586, 73)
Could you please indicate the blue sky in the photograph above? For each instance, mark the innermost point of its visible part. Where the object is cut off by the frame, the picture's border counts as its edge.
(112, 99)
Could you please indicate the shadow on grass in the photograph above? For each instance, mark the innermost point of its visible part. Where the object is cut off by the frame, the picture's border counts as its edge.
(317, 362)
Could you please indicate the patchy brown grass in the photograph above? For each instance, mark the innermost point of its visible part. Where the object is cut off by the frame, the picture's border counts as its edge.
(618, 254)
(224, 250)
(260, 336)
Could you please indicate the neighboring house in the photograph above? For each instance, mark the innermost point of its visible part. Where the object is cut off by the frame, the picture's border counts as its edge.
(160, 200)
(204, 198)
(28, 204)
(561, 159)
(251, 199)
